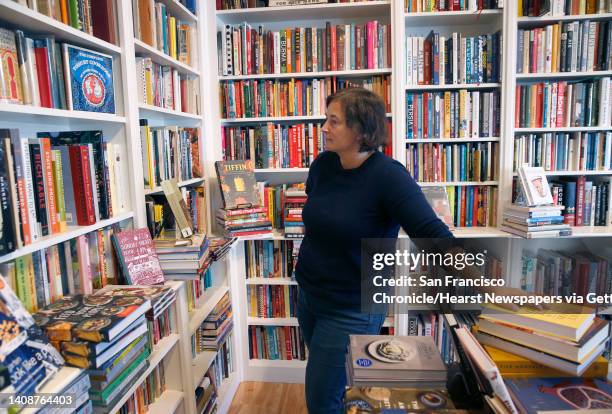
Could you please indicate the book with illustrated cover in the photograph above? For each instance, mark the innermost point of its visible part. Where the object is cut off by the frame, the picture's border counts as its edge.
(238, 185)
(89, 80)
(378, 400)
(95, 318)
(10, 80)
(534, 395)
(137, 257)
(535, 185)
(438, 200)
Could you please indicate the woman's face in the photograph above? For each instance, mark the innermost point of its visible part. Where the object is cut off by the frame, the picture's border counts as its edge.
(338, 136)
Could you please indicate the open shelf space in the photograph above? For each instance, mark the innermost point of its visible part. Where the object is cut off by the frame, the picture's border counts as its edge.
(200, 365)
(270, 281)
(528, 21)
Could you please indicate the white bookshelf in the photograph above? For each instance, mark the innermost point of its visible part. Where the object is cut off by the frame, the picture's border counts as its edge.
(452, 86)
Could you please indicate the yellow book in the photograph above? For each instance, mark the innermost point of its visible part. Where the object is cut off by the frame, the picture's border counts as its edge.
(289, 50)
(31, 285)
(447, 114)
(513, 366)
(463, 121)
(172, 35)
(520, 8)
(451, 199)
(555, 48)
(532, 107)
(291, 104)
(58, 184)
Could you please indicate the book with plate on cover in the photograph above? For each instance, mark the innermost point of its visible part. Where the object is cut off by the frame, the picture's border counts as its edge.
(238, 184)
(137, 257)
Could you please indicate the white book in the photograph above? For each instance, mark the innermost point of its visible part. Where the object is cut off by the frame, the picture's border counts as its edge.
(32, 72)
(277, 64)
(415, 60)
(462, 58)
(421, 61)
(604, 102)
(475, 114)
(553, 105)
(443, 58)
(575, 45)
(549, 48)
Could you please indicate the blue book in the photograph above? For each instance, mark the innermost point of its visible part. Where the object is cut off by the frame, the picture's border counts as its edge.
(409, 115)
(569, 200)
(469, 194)
(430, 113)
(559, 394)
(89, 80)
(419, 121)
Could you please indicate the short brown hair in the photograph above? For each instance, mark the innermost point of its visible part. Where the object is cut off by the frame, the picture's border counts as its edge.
(364, 112)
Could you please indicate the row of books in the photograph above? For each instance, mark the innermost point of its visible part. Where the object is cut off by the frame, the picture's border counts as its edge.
(548, 221)
(563, 7)
(244, 50)
(269, 258)
(197, 288)
(583, 200)
(185, 259)
(473, 206)
(563, 104)
(272, 301)
(292, 97)
(249, 4)
(160, 215)
(242, 222)
(57, 180)
(295, 199)
(223, 365)
(418, 6)
(476, 161)
(273, 145)
(150, 390)
(96, 18)
(579, 151)
(578, 46)
(214, 331)
(437, 60)
(165, 87)
(154, 25)
(280, 199)
(553, 272)
(276, 343)
(169, 152)
(75, 266)
(432, 324)
(453, 114)
(39, 71)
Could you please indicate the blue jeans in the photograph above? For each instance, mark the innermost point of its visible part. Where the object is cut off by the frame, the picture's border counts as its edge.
(326, 328)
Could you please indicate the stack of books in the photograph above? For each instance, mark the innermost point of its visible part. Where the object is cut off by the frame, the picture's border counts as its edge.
(160, 318)
(105, 334)
(568, 342)
(295, 198)
(395, 362)
(242, 213)
(536, 215)
(183, 259)
(535, 222)
(213, 332)
(220, 246)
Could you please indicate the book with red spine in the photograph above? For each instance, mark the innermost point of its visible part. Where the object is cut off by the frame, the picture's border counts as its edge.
(54, 220)
(43, 74)
(81, 181)
(580, 184)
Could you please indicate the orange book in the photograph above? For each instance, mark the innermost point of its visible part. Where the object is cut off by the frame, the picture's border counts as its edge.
(54, 219)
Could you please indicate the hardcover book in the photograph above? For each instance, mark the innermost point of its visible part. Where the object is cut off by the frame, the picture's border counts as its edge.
(438, 200)
(238, 184)
(89, 80)
(380, 399)
(179, 209)
(90, 317)
(535, 185)
(137, 257)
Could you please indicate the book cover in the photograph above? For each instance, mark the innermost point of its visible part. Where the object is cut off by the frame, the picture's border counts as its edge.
(382, 400)
(10, 76)
(90, 317)
(178, 206)
(535, 185)
(137, 257)
(438, 200)
(89, 80)
(238, 185)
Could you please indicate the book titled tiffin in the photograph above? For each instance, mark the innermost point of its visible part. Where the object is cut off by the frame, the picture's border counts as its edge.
(89, 80)
(238, 184)
(94, 318)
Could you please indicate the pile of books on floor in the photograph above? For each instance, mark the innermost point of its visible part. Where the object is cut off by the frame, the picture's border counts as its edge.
(295, 198)
(534, 222)
(160, 318)
(213, 332)
(242, 213)
(183, 258)
(105, 334)
(534, 215)
(569, 342)
(395, 362)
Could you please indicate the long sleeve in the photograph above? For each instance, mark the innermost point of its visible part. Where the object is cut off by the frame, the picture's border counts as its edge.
(404, 201)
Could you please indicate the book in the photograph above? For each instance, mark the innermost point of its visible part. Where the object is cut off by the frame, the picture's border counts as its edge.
(237, 182)
(137, 257)
(380, 400)
(89, 80)
(179, 208)
(535, 185)
(438, 200)
(90, 317)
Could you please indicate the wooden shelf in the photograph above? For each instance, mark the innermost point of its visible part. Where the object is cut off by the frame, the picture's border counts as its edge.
(453, 18)
(325, 74)
(168, 115)
(537, 21)
(200, 365)
(24, 113)
(457, 183)
(160, 350)
(570, 173)
(344, 11)
(159, 57)
(272, 321)
(450, 140)
(270, 281)
(167, 403)
(453, 86)
(209, 300)
(562, 129)
(33, 22)
(562, 75)
(186, 183)
(69, 234)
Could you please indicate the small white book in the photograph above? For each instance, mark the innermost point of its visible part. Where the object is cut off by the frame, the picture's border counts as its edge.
(535, 185)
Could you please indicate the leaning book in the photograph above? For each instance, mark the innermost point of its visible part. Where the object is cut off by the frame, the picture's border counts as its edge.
(89, 80)
(238, 185)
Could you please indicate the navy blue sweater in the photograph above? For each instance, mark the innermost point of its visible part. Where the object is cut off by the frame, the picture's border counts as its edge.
(344, 206)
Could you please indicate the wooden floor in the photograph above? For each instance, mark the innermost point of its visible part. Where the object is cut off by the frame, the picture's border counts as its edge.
(269, 398)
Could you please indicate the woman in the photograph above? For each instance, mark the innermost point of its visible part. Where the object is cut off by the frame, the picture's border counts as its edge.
(354, 192)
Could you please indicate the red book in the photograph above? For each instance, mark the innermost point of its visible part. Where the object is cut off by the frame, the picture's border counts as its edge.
(44, 77)
(427, 59)
(183, 83)
(539, 98)
(560, 103)
(288, 342)
(81, 183)
(137, 257)
(334, 48)
(425, 113)
(580, 184)
(300, 148)
(474, 206)
(463, 202)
